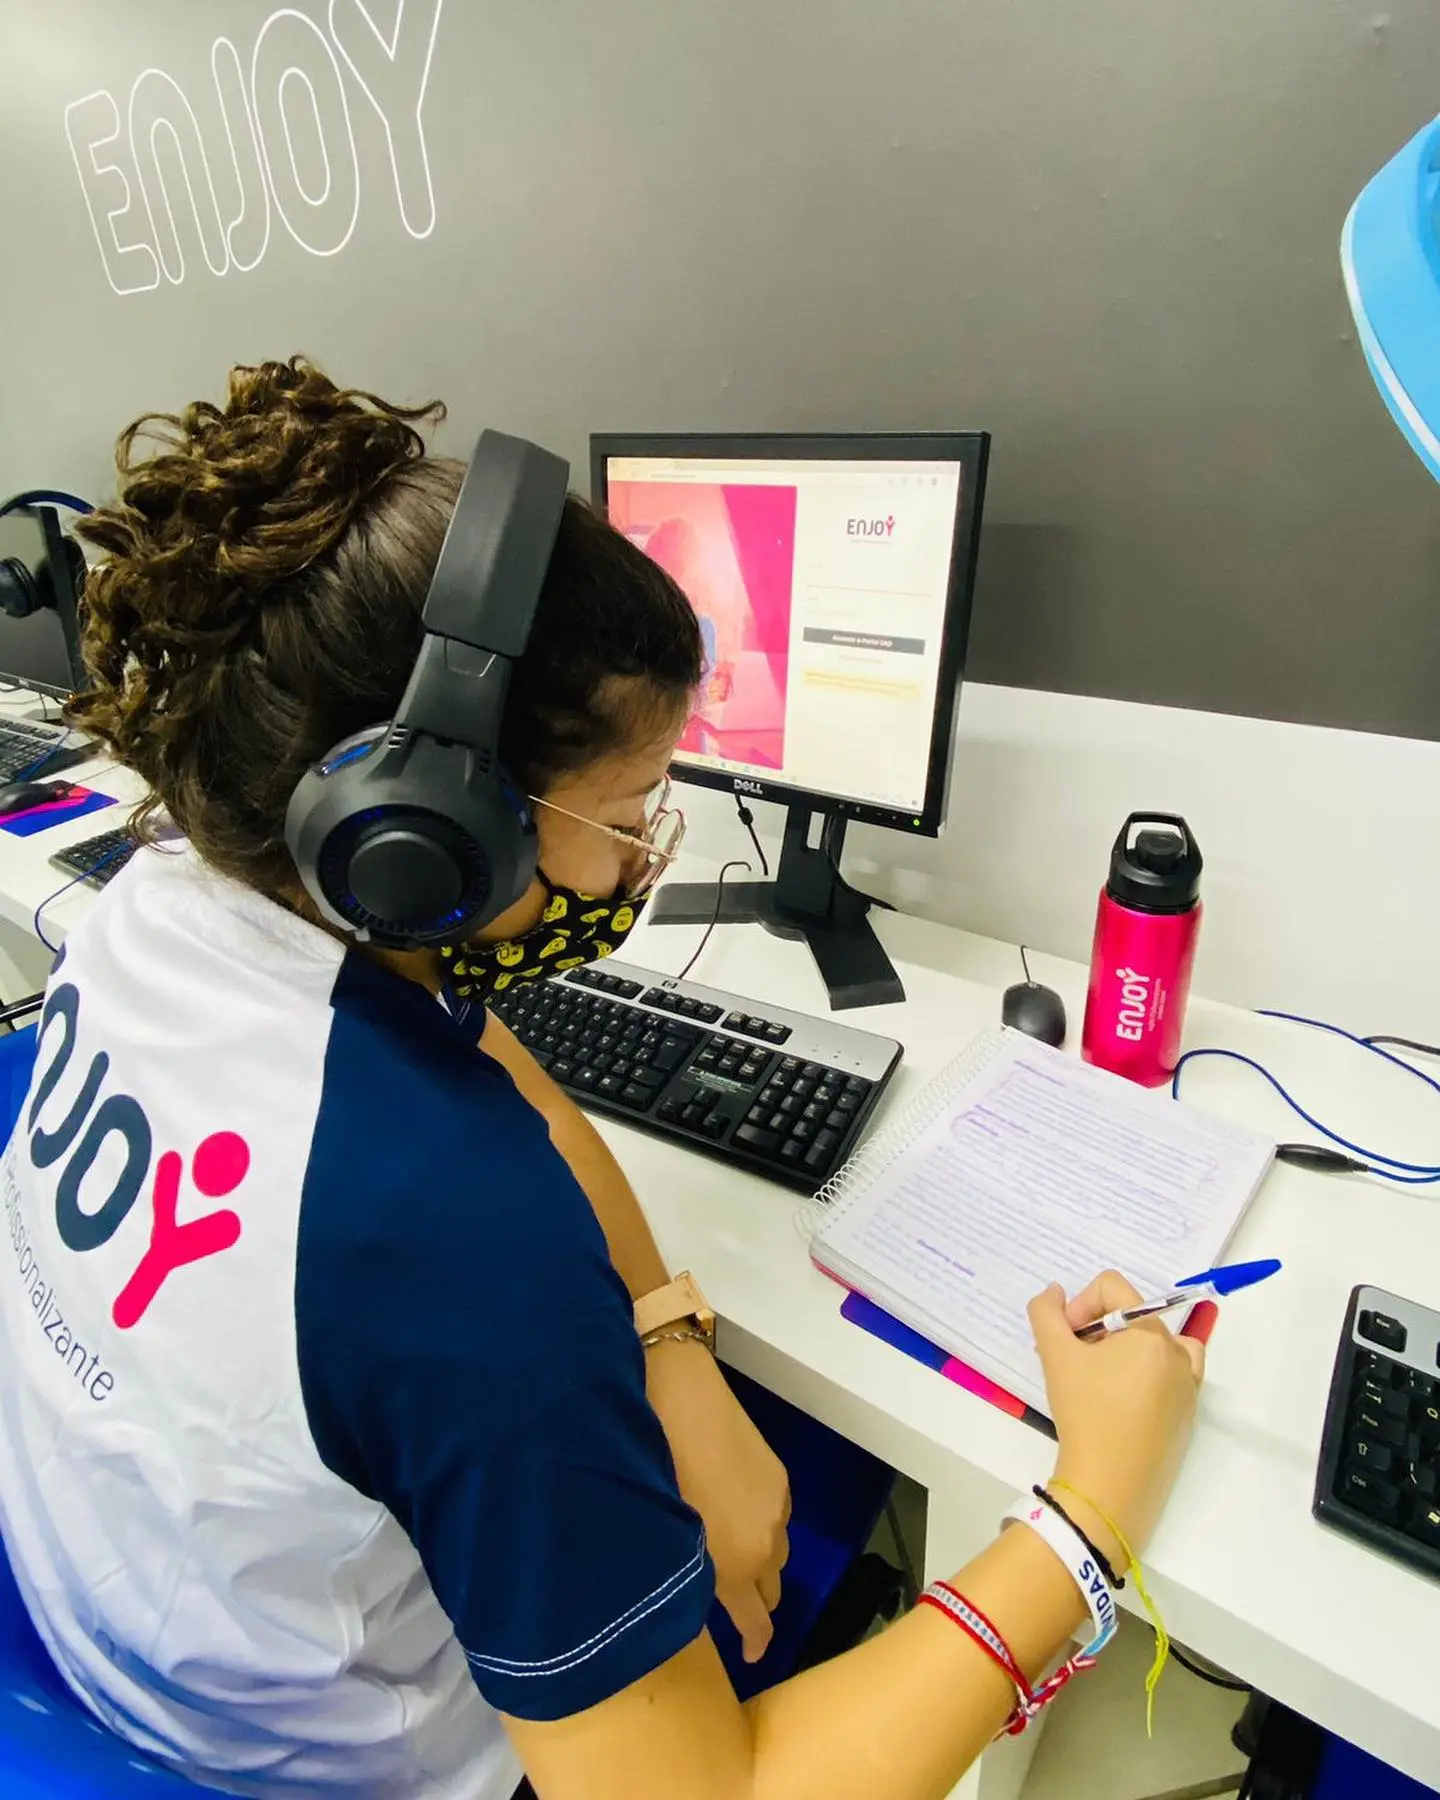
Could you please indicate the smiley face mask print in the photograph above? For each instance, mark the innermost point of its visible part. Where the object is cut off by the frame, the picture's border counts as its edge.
(574, 928)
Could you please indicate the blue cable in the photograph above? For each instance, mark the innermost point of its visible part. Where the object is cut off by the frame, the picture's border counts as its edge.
(60, 892)
(1392, 1168)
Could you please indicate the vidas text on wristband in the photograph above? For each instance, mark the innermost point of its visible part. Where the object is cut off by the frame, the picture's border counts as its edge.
(1081, 1566)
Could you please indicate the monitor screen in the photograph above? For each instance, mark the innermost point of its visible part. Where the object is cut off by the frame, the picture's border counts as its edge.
(39, 651)
(833, 597)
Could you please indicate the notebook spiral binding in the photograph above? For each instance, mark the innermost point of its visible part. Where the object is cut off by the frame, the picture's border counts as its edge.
(896, 1137)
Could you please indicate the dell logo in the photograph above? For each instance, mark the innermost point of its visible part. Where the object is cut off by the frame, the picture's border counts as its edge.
(742, 786)
(870, 528)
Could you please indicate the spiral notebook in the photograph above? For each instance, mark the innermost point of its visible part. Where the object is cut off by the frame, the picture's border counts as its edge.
(1019, 1166)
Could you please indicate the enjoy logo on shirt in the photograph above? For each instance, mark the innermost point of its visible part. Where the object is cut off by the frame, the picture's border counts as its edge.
(216, 1168)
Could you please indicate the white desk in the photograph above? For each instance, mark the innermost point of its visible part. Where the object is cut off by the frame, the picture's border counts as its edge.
(1241, 1571)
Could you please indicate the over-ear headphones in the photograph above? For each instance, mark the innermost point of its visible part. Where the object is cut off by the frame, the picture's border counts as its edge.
(411, 833)
(24, 590)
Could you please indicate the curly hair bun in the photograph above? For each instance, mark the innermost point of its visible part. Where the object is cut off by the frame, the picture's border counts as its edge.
(238, 500)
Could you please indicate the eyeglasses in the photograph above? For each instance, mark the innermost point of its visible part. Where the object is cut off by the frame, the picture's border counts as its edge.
(655, 844)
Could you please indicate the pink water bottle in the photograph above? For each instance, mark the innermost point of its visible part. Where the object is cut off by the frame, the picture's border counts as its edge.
(1145, 937)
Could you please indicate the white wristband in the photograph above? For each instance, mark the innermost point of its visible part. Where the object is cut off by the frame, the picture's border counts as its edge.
(1080, 1565)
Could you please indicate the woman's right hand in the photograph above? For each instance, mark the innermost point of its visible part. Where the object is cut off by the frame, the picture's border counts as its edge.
(1123, 1407)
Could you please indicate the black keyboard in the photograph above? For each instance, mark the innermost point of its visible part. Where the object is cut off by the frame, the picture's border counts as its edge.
(28, 752)
(97, 858)
(1380, 1460)
(781, 1093)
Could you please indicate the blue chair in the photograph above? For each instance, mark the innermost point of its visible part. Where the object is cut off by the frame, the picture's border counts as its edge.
(50, 1747)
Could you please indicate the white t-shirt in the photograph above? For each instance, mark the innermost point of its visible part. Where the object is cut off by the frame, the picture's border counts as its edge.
(323, 1431)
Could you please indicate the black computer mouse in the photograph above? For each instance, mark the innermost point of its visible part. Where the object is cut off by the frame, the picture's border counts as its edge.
(16, 796)
(1037, 1011)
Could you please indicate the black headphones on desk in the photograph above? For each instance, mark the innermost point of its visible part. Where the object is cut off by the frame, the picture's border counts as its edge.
(411, 833)
(23, 590)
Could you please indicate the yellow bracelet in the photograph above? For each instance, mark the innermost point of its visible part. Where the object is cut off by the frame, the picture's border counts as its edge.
(1132, 1567)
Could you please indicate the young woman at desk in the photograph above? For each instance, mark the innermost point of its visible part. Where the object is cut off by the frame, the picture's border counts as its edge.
(364, 1482)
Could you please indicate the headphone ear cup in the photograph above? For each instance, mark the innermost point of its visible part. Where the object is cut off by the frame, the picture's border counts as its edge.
(19, 592)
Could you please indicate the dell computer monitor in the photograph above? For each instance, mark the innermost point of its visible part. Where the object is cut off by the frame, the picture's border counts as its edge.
(832, 578)
(40, 651)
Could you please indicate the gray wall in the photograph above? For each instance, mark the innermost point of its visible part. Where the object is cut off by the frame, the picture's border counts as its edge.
(1103, 229)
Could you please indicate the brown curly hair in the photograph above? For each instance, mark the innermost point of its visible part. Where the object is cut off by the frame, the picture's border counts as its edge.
(258, 599)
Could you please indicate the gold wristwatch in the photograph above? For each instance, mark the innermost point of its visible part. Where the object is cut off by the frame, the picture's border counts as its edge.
(676, 1310)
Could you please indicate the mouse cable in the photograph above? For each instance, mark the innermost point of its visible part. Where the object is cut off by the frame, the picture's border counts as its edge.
(1346, 1157)
(1025, 965)
(1403, 1043)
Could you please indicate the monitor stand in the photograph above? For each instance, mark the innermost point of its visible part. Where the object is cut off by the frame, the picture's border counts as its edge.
(809, 899)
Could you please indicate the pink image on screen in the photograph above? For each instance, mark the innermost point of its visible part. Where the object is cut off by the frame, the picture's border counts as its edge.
(732, 549)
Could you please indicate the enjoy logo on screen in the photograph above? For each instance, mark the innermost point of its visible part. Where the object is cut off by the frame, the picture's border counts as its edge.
(871, 528)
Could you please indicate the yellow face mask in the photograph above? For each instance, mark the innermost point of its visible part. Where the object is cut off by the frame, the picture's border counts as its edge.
(574, 928)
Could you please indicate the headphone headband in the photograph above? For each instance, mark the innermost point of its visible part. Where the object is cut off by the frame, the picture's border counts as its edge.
(498, 546)
(411, 833)
(45, 497)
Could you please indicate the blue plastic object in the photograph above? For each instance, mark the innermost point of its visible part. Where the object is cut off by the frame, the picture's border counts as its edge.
(1390, 252)
(837, 1494)
(1349, 1774)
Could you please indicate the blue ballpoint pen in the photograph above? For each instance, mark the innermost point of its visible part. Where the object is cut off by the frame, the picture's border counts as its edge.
(1211, 1284)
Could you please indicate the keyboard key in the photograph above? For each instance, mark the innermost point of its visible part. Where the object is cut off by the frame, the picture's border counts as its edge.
(562, 1070)
(758, 1115)
(669, 1111)
(816, 1159)
(802, 1130)
(804, 1087)
(827, 1094)
(634, 1095)
(714, 1125)
(790, 1065)
(671, 1054)
(791, 1104)
(1379, 1459)
(812, 1071)
(586, 1077)
(735, 1022)
(1381, 1329)
(1424, 1524)
(650, 1079)
(707, 1012)
(777, 1034)
(755, 1137)
(837, 1120)
(778, 1121)
(857, 1086)
(693, 1114)
(848, 1102)
(609, 1086)
(753, 1027)
(791, 1151)
(1423, 1388)
(814, 1112)
(751, 1071)
(1421, 1480)
(1368, 1494)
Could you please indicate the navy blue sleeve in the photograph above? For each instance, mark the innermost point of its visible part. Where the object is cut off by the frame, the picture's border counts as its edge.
(468, 1359)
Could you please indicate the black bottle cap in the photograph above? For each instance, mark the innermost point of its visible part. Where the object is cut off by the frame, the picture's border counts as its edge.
(1155, 865)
